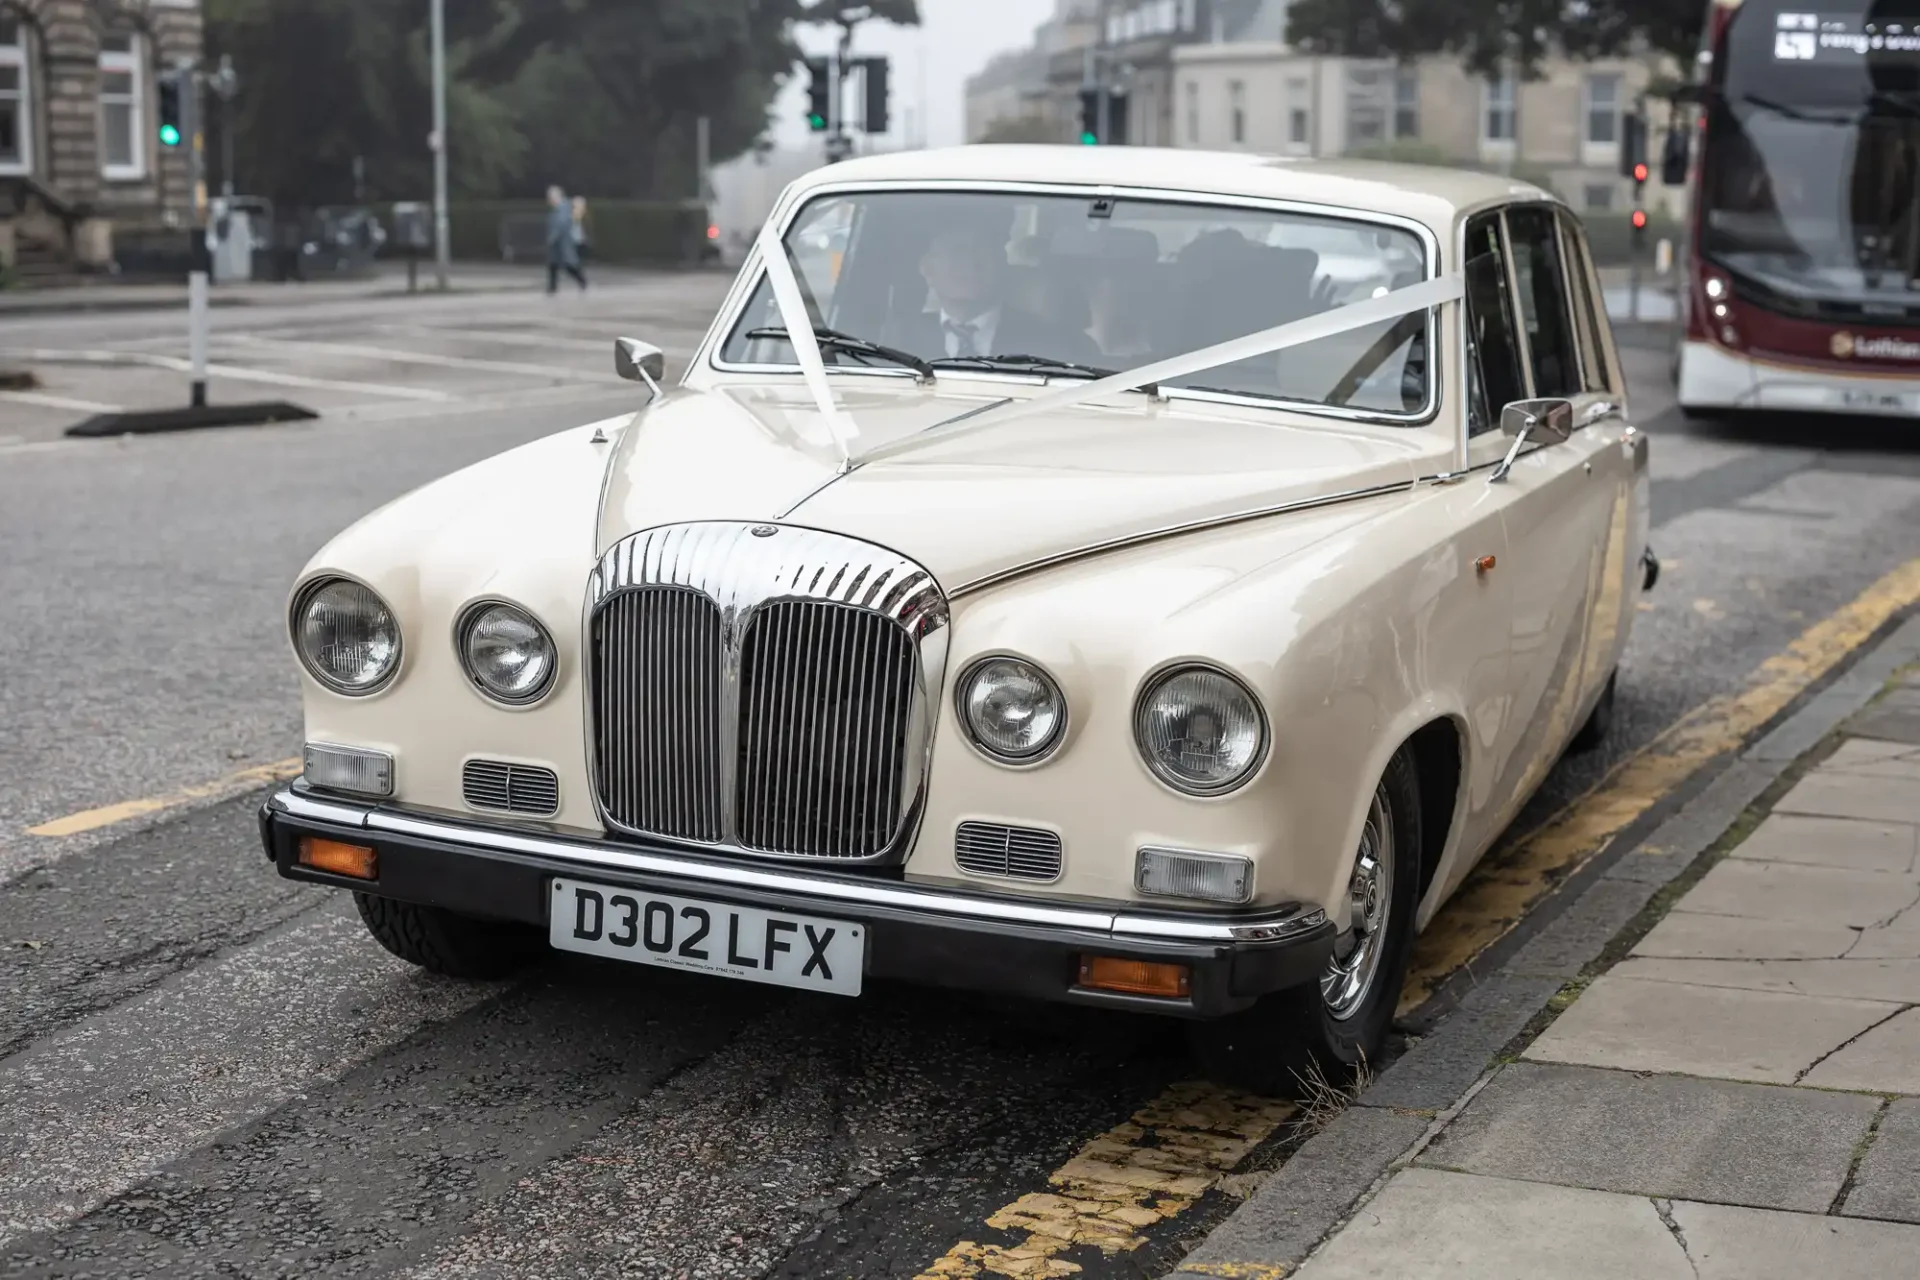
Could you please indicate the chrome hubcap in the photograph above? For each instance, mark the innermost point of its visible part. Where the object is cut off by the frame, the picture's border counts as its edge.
(1356, 953)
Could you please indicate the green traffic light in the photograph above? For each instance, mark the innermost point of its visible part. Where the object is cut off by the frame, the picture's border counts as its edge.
(817, 121)
(1088, 140)
(169, 135)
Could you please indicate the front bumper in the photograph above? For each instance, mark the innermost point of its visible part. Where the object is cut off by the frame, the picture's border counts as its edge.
(1712, 377)
(934, 936)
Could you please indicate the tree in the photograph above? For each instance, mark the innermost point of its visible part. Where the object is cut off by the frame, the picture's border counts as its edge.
(1492, 34)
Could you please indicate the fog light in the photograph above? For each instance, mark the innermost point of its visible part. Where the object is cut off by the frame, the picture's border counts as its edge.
(1214, 877)
(338, 857)
(1135, 977)
(363, 773)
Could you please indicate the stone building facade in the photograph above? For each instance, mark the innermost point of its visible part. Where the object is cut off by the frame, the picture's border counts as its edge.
(81, 163)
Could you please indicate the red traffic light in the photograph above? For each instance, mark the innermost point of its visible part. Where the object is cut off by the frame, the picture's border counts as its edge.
(1640, 172)
(1639, 219)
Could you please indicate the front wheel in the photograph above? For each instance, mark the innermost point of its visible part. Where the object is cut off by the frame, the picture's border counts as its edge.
(1593, 734)
(444, 943)
(1340, 1023)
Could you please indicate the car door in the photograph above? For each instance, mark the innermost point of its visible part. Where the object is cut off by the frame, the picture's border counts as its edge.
(1564, 505)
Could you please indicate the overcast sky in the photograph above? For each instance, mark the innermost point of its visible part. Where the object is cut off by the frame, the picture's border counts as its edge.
(931, 63)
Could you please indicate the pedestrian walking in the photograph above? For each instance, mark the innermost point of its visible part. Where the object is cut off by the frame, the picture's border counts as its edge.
(563, 249)
(580, 236)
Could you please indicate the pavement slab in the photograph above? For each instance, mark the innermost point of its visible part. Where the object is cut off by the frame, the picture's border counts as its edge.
(1838, 794)
(1637, 1025)
(1427, 1223)
(1761, 1145)
(1895, 981)
(1888, 1182)
(1886, 1059)
(1688, 935)
(1802, 895)
(1729, 1243)
(1840, 843)
(1896, 718)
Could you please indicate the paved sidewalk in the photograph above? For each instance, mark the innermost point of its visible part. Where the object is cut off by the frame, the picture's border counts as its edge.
(1739, 1097)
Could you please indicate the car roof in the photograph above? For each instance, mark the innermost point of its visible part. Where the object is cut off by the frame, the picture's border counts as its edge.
(1425, 193)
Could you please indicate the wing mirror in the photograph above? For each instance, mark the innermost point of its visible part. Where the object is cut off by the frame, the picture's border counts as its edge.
(638, 361)
(1540, 421)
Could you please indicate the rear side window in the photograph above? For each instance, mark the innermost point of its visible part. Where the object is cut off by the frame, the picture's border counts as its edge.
(1587, 315)
(1493, 356)
(1542, 274)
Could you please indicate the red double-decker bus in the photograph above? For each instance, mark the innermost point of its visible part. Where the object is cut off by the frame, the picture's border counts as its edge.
(1804, 273)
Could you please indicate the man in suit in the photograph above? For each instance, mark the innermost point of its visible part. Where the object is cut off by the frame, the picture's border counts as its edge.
(971, 312)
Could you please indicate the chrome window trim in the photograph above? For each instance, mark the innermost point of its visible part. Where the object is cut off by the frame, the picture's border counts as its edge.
(1269, 925)
(303, 591)
(1053, 744)
(633, 563)
(465, 616)
(788, 212)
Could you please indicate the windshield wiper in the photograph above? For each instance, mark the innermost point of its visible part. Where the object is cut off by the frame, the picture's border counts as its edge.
(859, 348)
(1023, 364)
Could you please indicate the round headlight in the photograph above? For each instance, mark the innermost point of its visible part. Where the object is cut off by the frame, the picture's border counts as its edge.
(346, 636)
(507, 653)
(1200, 730)
(1012, 709)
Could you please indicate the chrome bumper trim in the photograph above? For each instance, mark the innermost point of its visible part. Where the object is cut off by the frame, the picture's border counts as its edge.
(1270, 926)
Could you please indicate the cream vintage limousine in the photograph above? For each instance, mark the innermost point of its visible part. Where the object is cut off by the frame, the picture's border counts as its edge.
(1145, 579)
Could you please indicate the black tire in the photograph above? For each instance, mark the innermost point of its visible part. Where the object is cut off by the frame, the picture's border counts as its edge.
(1275, 1047)
(444, 943)
(1593, 734)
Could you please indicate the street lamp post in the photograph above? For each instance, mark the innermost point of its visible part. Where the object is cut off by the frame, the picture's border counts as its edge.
(441, 252)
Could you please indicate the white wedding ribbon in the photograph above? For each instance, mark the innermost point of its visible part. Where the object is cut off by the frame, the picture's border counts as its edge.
(806, 345)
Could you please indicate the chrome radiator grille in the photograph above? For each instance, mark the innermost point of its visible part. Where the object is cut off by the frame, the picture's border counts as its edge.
(657, 670)
(824, 693)
(763, 689)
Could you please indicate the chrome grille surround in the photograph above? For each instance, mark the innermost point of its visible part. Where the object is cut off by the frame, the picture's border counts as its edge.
(1014, 853)
(839, 621)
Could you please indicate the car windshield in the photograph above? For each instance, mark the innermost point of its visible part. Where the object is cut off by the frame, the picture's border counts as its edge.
(1812, 183)
(1064, 286)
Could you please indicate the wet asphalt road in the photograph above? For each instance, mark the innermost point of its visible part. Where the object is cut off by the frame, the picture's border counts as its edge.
(205, 1070)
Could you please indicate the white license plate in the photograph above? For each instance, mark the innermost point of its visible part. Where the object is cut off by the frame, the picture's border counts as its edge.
(708, 937)
(1875, 401)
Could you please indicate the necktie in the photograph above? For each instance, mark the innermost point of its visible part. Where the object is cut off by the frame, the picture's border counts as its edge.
(964, 339)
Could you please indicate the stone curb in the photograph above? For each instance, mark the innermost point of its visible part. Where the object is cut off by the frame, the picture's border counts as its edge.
(1416, 1095)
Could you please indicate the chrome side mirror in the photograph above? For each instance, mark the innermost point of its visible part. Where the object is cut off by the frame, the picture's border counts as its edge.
(1541, 421)
(638, 361)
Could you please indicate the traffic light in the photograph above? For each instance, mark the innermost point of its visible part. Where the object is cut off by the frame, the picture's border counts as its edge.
(876, 120)
(820, 94)
(1639, 220)
(1090, 117)
(1116, 118)
(170, 121)
(1633, 146)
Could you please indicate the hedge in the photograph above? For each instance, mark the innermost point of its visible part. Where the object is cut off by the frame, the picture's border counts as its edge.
(628, 231)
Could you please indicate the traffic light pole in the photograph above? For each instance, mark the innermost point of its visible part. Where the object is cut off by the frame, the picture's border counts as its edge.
(442, 250)
(200, 264)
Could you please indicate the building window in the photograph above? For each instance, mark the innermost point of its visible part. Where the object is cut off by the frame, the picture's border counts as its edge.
(1237, 104)
(1186, 15)
(16, 104)
(1193, 113)
(1599, 198)
(1603, 110)
(1299, 112)
(1406, 103)
(1497, 121)
(1366, 107)
(123, 153)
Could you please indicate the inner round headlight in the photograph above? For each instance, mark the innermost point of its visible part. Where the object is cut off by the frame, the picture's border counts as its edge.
(507, 653)
(1013, 710)
(1200, 730)
(346, 636)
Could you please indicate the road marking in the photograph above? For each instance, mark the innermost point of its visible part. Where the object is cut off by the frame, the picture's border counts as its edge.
(44, 401)
(1134, 1176)
(94, 819)
(1501, 891)
(238, 373)
(397, 356)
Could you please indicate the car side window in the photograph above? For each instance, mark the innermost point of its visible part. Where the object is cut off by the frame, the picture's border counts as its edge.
(1592, 324)
(1493, 357)
(1534, 233)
